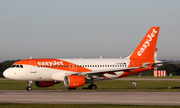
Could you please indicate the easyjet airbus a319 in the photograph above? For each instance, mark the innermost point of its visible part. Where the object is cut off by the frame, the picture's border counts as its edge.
(77, 72)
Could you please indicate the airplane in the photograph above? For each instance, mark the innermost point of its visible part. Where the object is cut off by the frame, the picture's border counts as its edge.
(78, 72)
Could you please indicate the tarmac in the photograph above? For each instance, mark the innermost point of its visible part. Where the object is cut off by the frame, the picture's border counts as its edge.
(90, 97)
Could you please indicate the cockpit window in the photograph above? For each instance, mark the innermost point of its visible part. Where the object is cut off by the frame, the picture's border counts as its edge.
(13, 66)
(21, 66)
(17, 66)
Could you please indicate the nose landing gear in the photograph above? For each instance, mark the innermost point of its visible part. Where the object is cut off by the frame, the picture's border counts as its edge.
(28, 88)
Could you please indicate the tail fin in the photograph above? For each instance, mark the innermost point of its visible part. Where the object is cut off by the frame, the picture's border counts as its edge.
(146, 48)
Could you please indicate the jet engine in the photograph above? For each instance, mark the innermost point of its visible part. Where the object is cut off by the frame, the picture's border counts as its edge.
(73, 81)
(44, 83)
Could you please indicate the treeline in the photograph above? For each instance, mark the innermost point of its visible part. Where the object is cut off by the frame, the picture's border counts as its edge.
(4, 65)
(170, 68)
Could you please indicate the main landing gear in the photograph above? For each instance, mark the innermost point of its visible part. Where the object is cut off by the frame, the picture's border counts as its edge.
(92, 86)
(28, 88)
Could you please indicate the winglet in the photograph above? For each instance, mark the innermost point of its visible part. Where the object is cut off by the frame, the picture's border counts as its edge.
(147, 46)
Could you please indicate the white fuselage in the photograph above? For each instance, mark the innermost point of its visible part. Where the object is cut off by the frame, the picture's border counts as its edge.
(43, 72)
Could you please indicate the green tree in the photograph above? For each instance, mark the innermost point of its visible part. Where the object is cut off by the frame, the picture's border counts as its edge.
(170, 68)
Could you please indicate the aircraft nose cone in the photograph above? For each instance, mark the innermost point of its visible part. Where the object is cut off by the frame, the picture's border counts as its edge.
(6, 73)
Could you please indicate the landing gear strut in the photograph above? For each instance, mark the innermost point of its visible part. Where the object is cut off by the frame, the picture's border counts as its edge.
(28, 88)
(92, 86)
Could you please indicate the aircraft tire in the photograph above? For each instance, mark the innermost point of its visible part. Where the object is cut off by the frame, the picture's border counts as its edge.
(92, 86)
(28, 88)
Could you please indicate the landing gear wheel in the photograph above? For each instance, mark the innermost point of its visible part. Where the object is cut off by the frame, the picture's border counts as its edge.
(72, 88)
(92, 86)
(28, 88)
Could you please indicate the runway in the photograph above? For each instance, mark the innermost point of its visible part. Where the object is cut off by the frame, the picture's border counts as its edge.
(89, 97)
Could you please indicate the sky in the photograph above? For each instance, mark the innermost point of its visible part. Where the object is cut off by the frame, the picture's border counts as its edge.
(86, 28)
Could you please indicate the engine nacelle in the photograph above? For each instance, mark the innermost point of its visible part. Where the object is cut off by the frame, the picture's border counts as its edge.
(44, 83)
(73, 81)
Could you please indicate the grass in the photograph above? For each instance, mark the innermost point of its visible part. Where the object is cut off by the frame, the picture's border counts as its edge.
(16, 105)
(107, 85)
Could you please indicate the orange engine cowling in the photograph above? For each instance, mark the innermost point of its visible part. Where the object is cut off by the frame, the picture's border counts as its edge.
(44, 83)
(73, 81)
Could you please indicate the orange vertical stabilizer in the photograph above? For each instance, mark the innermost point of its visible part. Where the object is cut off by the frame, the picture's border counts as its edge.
(146, 48)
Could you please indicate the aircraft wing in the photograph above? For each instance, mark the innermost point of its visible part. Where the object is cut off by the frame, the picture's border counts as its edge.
(111, 71)
(107, 71)
(57, 75)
